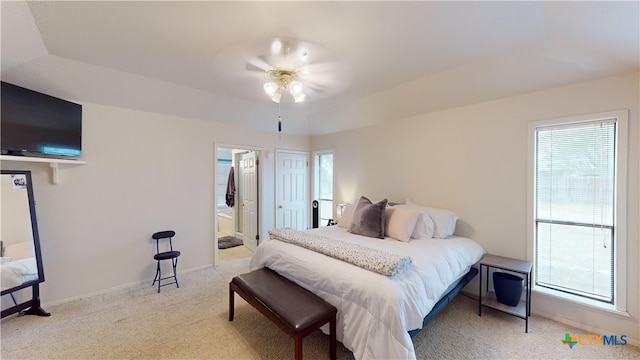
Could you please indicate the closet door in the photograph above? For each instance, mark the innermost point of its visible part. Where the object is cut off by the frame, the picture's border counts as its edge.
(292, 172)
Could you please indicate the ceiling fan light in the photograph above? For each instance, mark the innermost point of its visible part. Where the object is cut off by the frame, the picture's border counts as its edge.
(276, 97)
(299, 97)
(271, 88)
(303, 54)
(295, 88)
(276, 46)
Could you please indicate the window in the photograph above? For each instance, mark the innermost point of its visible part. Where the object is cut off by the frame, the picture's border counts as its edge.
(324, 186)
(578, 167)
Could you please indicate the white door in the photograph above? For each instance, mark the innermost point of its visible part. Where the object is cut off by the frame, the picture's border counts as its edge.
(292, 170)
(249, 198)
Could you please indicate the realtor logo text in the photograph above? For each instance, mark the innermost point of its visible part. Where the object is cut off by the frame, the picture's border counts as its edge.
(592, 339)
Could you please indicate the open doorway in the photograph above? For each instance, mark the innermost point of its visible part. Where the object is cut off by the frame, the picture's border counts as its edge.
(237, 183)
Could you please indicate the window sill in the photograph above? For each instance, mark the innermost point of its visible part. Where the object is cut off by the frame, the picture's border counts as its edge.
(592, 304)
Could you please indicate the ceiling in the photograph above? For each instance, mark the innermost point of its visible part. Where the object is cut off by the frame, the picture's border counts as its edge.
(394, 59)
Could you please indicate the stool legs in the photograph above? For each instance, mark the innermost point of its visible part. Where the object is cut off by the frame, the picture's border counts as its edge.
(159, 278)
(175, 263)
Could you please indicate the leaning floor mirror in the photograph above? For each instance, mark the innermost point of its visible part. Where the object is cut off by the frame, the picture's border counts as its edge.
(21, 261)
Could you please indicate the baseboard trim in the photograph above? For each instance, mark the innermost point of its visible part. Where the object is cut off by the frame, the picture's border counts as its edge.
(116, 289)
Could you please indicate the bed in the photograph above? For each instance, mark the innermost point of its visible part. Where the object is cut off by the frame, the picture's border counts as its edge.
(16, 272)
(377, 314)
(18, 265)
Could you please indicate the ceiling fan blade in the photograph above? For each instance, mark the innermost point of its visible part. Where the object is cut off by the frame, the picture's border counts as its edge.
(321, 67)
(259, 63)
(315, 87)
(312, 90)
(321, 80)
(253, 68)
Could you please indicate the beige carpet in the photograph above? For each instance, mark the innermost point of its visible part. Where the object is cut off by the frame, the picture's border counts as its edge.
(235, 253)
(192, 323)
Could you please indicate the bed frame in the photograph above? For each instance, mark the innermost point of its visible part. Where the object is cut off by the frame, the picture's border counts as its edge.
(446, 299)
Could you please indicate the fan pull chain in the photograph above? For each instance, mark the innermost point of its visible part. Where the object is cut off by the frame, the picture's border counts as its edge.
(279, 122)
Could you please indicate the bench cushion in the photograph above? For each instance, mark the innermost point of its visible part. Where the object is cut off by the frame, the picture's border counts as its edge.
(296, 307)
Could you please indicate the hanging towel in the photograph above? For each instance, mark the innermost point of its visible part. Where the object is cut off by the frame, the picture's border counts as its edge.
(231, 189)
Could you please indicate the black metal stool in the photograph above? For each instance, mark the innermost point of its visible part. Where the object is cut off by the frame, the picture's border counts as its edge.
(165, 255)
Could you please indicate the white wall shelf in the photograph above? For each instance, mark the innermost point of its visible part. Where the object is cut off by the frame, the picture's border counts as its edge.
(53, 163)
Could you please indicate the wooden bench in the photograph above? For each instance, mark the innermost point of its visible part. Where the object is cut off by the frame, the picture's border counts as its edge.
(295, 310)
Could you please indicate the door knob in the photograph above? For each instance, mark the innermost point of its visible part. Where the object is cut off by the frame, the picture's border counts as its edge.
(279, 206)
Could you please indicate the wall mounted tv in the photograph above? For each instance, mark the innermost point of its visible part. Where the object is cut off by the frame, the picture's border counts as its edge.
(36, 124)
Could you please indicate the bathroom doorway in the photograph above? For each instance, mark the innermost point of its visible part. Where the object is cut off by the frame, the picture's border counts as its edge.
(237, 184)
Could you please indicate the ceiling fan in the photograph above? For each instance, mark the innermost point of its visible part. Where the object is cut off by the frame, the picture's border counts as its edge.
(302, 68)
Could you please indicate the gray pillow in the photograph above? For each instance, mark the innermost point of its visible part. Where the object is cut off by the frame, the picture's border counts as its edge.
(369, 218)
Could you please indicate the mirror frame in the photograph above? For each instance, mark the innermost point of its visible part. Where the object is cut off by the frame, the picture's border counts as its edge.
(33, 303)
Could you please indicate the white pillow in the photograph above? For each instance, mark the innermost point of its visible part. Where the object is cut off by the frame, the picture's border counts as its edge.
(444, 220)
(347, 216)
(400, 222)
(424, 228)
(20, 250)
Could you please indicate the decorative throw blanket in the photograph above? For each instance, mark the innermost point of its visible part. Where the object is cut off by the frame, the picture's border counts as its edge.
(367, 258)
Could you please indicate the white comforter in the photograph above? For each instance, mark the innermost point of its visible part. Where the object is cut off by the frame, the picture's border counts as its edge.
(375, 312)
(17, 272)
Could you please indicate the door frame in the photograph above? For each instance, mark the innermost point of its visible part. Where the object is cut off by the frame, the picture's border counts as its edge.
(259, 184)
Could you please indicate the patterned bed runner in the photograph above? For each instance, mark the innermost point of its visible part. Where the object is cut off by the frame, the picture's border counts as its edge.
(367, 258)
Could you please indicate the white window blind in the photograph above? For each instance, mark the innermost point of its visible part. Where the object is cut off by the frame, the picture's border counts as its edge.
(574, 208)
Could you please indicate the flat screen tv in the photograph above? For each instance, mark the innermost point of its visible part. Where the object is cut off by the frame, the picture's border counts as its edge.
(36, 124)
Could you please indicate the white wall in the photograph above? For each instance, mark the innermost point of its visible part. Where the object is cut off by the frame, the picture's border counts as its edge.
(144, 172)
(473, 160)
